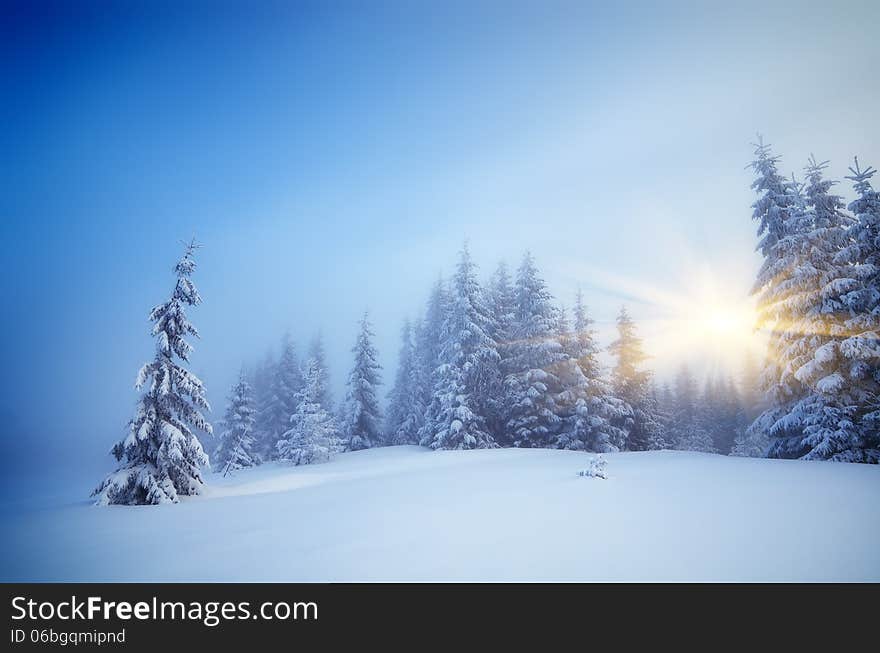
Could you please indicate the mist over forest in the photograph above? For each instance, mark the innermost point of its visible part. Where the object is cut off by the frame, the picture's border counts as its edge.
(325, 184)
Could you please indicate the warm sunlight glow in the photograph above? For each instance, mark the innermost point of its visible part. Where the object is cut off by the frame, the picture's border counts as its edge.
(720, 321)
(702, 316)
(709, 324)
(720, 326)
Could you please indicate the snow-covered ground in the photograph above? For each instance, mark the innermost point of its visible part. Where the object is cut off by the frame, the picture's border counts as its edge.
(406, 513)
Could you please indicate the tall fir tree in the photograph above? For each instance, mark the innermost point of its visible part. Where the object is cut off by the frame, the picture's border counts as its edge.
(236, 442)
(501, 301)
(660, 399)
(751, 441)
(736, 417)
(821, 424)
(428, 339)
(287, 382)
(362, 417)
(631, 383)
(502, 304)
(531, 387)
(688, 429)
(750, 386)
(262, 382)
(405, 408)
(313, 432)
(861, 344)
(586, 403)
(161, 456)
(720, 413)
(778, 208)
(319, 356)
(467, 376)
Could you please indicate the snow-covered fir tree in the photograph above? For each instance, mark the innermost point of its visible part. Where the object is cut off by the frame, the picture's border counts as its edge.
(586, 402)
(161, 457)
(531, 387)
(236, 441)
(778, 207)
(502, 304)
(262, 382)
(631, 383)
(313, 431)
(750, 387)
(822, 424)
(319, 355)
(720, 413)
(751, 443)
(661, 402)
(467, 377)
(735, 416)
(362, 417)
(688, 432)
(428, 339)
(861, 346)
(502, 307)
(287, 382)
(751, 440)
(405, 408)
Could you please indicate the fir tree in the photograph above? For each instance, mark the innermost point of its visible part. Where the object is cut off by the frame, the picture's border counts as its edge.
(751, 440)
(428, 339)
(468, 370)
(362, 416)
(821, 425)
(235, 446)
(405, 410)
(750, 387)
(861, 345)
(161, 457)
(502, 308)
(661, 407)
(262, 381)
(751, 443)
(720, 413)
(317, 354)
(586, 405)
(631, 384)
(531, 386)
(779, 207)
(736, 417)
(287, 382)
(688, 431)
(502, 304)
(313, 432)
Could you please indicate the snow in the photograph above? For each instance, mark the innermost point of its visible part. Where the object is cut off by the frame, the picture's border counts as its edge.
(407, 514)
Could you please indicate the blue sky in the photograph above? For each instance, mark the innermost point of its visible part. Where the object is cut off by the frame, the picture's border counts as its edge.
(332, 158)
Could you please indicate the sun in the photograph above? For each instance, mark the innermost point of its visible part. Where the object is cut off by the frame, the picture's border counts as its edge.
(711, 323)
(701, 314)
(724, 321)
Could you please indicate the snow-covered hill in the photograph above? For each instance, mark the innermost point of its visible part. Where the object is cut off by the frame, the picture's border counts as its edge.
(406, 513)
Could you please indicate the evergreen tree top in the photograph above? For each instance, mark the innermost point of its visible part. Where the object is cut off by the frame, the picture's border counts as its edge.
(777, 195)
(827, 208)
(581, 321)
(169, 318)
(629, 352)
(535, 313)
(861, 178)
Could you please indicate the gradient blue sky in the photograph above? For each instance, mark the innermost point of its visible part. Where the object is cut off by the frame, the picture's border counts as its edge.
(332, 157)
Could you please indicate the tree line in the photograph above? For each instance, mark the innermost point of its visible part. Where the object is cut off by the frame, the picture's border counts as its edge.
(818, 294)
(502, 364)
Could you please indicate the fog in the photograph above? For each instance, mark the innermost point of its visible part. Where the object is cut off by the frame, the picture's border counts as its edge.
(333, 163)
